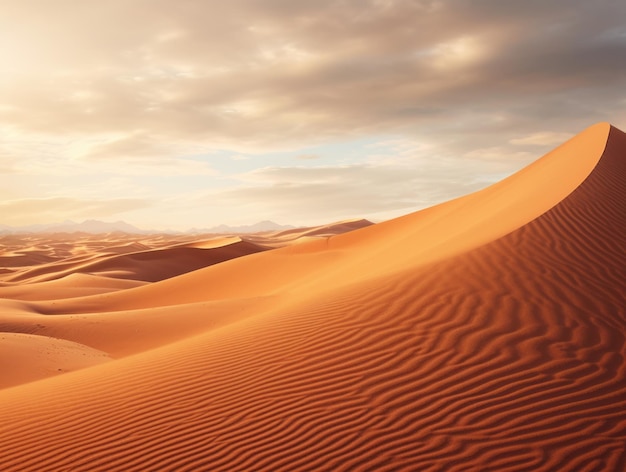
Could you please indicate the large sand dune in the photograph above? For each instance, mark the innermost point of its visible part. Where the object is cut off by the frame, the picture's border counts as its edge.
(486, 333)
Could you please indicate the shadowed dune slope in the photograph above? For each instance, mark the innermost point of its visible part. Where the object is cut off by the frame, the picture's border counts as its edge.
(504, 352)
(150, 265)
(160, 264)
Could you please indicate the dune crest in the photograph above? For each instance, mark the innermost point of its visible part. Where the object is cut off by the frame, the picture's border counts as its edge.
(403, 243)
(486, 333)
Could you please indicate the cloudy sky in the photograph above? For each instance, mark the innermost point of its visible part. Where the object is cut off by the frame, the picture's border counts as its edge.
(183, 113)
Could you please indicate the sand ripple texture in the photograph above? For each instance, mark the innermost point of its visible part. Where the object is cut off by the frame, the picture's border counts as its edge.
(503, 355)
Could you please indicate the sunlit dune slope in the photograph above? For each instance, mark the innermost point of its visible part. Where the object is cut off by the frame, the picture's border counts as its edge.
(484, 334)
(69, 286)
(37, 357)
(123, 333)
(407, 242)
(299, 235)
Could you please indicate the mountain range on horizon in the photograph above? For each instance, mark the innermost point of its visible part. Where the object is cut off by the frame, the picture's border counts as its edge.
(97, 227)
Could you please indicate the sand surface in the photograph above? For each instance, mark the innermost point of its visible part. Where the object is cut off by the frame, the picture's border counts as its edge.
(483, 334)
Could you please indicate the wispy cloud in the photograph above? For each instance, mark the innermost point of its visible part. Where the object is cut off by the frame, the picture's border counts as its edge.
(153, 83)
(399, 177)
(542, 138)
(50, 210)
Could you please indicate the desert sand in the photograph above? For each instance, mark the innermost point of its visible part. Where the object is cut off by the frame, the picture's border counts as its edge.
(483, 334)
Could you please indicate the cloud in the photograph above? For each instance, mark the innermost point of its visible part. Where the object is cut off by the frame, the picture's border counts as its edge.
(142, 153)
(268, 74)
(499, 154)
(123, 154)
(50, 210)
(7, 167)
(144, 87)
(366, 190)
(545, 138)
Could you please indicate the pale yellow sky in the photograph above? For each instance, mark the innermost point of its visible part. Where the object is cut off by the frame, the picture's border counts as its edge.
(174, 114)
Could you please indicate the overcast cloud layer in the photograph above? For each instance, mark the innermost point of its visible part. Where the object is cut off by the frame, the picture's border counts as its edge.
(202, 112)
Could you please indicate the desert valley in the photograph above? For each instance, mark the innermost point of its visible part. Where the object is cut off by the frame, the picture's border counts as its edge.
(486, 333)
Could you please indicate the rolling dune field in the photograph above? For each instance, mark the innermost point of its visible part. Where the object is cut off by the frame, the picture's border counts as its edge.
(483, 334)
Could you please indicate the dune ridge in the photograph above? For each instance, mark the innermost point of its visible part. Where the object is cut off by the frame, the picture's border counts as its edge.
(406, 242)
(498, 347)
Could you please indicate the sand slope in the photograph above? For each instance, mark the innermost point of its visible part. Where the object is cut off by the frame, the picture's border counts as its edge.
(35, 357)
(148, 265)
(66, 286)
(487, 333)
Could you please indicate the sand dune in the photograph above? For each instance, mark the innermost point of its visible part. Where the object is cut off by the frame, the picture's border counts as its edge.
(66, 286)
(299, 235)
(133, 260)
(486, 333)
(37, 357)
(400, 244)
(35, 259)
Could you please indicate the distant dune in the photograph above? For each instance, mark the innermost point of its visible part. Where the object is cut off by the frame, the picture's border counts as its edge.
(149, 265)
(483, 334)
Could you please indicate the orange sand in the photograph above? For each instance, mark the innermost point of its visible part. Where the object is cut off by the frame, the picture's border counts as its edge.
(486, 333)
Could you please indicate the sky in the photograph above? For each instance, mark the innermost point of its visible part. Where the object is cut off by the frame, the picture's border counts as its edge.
(173, 114)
